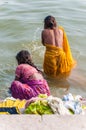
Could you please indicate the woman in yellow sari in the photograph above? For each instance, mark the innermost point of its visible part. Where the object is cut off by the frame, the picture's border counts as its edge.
(58, 57)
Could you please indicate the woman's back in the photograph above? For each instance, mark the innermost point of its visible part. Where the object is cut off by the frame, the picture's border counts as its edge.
(26, 72)
(53, 37)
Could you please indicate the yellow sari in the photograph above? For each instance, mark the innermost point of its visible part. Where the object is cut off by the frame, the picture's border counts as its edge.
(58, 60)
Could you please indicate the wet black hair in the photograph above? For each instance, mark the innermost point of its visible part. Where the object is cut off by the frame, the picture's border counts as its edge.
(24, 57)
(49, 22)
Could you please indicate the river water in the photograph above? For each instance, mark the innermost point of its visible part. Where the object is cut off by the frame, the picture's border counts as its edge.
(21, 23)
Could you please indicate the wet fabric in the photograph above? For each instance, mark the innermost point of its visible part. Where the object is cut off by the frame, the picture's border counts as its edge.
(12, 106)
(32, 89)
(9, 110)
(73, 103)
(33, 99)
(4, 113)
(24, 71)
(58, 60)
(57, 106)
(27, 87)
(38, 105)
(75, 107)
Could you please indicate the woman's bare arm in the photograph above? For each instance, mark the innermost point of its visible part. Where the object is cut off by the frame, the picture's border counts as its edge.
(42, 37)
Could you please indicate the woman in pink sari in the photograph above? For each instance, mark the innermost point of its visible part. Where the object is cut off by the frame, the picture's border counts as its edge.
(29, 81)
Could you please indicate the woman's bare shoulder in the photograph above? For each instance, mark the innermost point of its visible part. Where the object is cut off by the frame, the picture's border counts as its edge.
(45, 32)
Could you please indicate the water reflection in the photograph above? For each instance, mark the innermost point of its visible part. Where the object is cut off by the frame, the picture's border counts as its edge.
(58, 86)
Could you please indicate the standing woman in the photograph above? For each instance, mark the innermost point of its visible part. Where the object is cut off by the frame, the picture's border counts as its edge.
(29, 81)
(58, 57)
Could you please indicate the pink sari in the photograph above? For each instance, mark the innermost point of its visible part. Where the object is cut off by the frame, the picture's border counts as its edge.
(25, 88)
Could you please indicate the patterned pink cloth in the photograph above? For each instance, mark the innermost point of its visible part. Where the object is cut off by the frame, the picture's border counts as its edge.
(25, 88)
(24, 71)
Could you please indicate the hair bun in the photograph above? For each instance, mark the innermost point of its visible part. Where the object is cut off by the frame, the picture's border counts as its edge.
(51, 24)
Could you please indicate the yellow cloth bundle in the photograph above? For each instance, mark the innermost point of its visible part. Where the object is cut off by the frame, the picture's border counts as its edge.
(58, 60)
(10, 106)
(13, 103)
